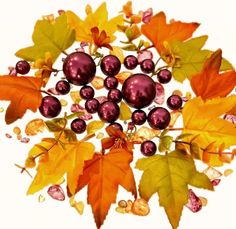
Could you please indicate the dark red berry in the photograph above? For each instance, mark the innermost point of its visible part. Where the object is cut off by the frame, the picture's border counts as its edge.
(108, 111)
(130, 62)
(63, 87)
(139, 117)
(147, 66)
(116, 126)
(78, 125)
(22, 67)
(111, 82)
(159, 118)
(50, 107)
(174, 102)
(148, 148)
(110, 65)
(164, 76)
(139, 90)
(86, 92)
(79, 68)
(114, 95)
(91, 105)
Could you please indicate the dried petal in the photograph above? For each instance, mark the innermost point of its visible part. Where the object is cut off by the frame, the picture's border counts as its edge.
(215, 182)
(8, 135)
(100, 135)
(194, 202)
(16, 130)
(230, 118)
(78, 108)
(120, 210)
(63, 102)
(160, 94)
(143, 55)
(128, 209)
(177, 92)
(79, 206)
(19, 137)
(56, 192)
(41, 198)
(122, 76)
(1, 109)
(101, 99)
(98, 82)
(140, 207)
(227, 172)
(34, 127)
(203, 200)
(145, 133)
(212, 173)
(75, 96)
(131, 126)
(147, 15)
(24, 140)
(122, 204)
(174, 117)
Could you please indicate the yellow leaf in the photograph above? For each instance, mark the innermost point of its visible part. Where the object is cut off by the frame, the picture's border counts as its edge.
(94, 126)
(203, 119)
(125, 112)
(118, 52)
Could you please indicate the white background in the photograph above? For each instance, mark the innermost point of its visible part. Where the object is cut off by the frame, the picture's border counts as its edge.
(17, 18)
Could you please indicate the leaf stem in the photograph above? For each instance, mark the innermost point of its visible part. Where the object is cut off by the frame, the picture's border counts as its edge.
(141, 50)
(45, 92)
(64, 52)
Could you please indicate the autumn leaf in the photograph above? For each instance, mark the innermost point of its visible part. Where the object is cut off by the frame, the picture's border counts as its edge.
(118, 52)
(102, 186)
(23, 92)
(165, 175)
(125, 112)
(97, 19)
(56, 160)
(159, 32)
(47, 37)
(209, 83)
(94, 126)
(203, 119)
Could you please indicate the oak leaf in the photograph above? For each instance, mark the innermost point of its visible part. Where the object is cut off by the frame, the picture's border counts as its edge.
(47, 37)
(103, 175)
(159, 32)
(209, 83)
(169, 176)
(23, 92)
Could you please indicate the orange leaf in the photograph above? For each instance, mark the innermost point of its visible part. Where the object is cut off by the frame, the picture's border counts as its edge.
(102, 186)
(158, 31)
(209, 83)
(23, 92)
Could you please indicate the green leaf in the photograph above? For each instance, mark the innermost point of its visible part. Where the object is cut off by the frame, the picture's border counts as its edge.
(53, 126)
(47, 37)
(169, 176)
(132, 32)
(70, 135)
(165, 143)
(131, 47)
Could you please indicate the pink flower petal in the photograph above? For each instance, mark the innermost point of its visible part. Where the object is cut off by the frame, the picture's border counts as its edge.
(160, 94)
(215, 182)
(230, 118)
(77, 108)
(147, 15)
(143, 55)
(56, 192)
(101, 99)
(194, 202)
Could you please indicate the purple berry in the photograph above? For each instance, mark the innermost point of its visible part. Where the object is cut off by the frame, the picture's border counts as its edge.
(148, 148)
(50, 107)
(114, 95)
(139, 117)
(164, 76)
(174, 102)
(116, 126)
(63, 87)
(110, 65)
(130, 62)
(91, 105)
(79, 68)
(22, 67)
(78, 125)
(111, 82)
(108, 111)
(86, 92)
(147, 66)
(159, 118)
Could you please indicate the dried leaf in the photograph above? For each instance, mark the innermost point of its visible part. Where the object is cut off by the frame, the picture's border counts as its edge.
(94, 126)
(122, 76)
(97, 83)
(125, 112)
(145, 133)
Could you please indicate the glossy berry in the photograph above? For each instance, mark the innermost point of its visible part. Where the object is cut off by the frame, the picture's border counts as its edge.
(110, 65)
(86, 92)
(78, 125)
(114, 95)
(139, 117)
(130, 62)
(111, 82)
(139, 90)
(148, 148)
(50, 107)
(79, 68)
(22, 67)
(164, 76)
(159, 118)
(108, 111)
(116, 126)
(174, 102)
(63, 87)
(91, 105)
(147, 66)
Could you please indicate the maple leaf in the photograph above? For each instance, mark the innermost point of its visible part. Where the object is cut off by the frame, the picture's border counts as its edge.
(103, 174)
(23, 92)
(56, 160)
(202, 119)
(209, 83)
(170, 176)
(99, 19)
(159, 32)
(49, 37)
